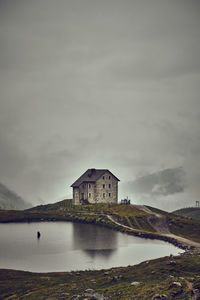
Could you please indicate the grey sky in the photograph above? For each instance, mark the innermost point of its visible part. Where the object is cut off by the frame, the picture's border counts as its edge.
(106, 84)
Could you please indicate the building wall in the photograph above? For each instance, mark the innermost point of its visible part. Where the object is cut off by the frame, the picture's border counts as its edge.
(91, 187)
(104, 192)
(99, 192)
(76, 196)
(83, 194)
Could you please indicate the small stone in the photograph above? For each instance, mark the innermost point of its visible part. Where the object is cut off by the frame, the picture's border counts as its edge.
(159, 297)
(171, 263)
(176, 283)
(63, 296)
(135, 283)
(76, 297)
(89, 292)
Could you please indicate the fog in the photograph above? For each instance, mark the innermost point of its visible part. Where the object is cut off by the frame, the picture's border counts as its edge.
(99, 84)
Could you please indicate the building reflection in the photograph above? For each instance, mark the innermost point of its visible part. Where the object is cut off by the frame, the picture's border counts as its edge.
(94, 240)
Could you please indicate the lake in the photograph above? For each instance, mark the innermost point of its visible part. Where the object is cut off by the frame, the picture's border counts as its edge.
(66, 246)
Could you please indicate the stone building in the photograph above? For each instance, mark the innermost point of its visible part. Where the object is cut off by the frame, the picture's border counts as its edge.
(95, 186)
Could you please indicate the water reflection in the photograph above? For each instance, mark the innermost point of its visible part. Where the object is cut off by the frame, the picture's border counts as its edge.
(105, 253)
(67, 246)
(94, 240)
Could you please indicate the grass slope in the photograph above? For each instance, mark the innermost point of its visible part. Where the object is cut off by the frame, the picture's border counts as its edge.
(168, 278)
(163, 278)
(189, 212)
(137, 221)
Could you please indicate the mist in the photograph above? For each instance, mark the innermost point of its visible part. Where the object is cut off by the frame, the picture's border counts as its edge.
(99, 84)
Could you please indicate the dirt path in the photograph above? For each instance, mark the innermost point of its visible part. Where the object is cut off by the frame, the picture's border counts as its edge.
(117, 223)
(159, 223)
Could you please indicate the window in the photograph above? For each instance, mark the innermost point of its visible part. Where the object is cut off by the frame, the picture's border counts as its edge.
(103, 177)
(108, 177)
(109, 194)
(89, 185)
(103, 195)
(109, 185)
(89, 195)
(103, 186)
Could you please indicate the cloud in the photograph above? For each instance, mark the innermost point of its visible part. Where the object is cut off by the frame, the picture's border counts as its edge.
(101, 84)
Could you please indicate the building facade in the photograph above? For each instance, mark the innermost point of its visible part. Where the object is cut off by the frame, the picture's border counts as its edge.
(95, 186)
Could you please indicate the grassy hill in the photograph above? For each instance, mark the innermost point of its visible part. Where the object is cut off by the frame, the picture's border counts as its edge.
(189, 212)
(164, 278)
(125, 218)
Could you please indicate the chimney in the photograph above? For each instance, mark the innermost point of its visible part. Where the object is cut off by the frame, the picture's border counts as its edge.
(92, 171)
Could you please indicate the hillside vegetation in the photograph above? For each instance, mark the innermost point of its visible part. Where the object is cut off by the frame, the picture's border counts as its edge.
(189, 212)
(138, 220)
(164, 278)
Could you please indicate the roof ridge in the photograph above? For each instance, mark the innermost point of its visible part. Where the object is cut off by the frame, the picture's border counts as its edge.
(91, 175)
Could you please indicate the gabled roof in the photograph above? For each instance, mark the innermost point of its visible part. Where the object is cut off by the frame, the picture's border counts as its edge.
(91, 175)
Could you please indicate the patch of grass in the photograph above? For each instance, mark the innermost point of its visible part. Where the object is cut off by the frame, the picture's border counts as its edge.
(143, 281)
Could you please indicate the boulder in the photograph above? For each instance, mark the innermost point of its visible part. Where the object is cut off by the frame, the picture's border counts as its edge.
(163, 296)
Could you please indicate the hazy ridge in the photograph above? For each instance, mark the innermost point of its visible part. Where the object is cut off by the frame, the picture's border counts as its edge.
(10, 200)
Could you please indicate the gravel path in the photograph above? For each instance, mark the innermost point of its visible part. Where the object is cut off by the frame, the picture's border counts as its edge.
(159, 223)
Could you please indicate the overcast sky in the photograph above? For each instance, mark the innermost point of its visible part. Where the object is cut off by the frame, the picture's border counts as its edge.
(106, 84)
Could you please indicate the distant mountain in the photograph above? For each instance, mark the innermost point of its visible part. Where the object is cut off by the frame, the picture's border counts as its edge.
(10, 200)
(163, 183)
(190, 212)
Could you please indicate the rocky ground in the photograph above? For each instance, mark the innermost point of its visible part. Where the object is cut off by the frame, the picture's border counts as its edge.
(172, 277)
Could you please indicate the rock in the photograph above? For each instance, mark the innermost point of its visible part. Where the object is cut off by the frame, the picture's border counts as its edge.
(176, 284)
(116, 278)
(135, 283)
(90, 294)
(163, 296)
(76, 297)
(171, 263)
(98, 296)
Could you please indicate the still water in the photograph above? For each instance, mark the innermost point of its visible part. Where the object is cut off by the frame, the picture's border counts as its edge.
(66, 246)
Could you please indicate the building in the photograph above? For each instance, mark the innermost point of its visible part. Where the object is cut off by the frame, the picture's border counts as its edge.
(95, 186)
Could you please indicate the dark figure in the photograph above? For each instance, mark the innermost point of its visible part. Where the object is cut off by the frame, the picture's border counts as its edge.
(38, 234)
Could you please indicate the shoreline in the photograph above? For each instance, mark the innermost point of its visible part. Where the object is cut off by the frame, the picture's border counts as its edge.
(112, 225)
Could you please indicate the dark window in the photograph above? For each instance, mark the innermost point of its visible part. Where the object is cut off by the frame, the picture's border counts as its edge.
(109, 177)
(89, 186)
(103, 177)
(103, 186)
(109, 185)
(103, 195)
(109, 194)
(89, 195)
